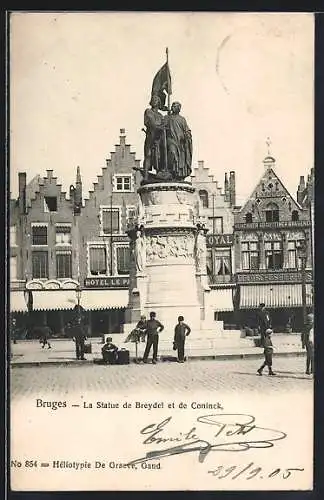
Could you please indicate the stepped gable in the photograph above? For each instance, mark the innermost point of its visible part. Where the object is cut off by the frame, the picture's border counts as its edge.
(121, 161)
(44, 186)
(201, 178)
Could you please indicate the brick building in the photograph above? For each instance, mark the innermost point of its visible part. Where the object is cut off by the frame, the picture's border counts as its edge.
(268, 231)
(64, 251)
(215, 210)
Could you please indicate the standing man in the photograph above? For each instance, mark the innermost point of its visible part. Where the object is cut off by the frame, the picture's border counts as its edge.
(181, 331)
(308, 343)
(264, 321)
(179, 143)
(153, 328)
(79, 339)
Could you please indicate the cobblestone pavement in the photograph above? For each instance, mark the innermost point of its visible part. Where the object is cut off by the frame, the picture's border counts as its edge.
(173, 378)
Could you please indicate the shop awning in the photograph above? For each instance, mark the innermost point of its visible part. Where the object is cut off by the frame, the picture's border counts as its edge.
(288, 295)
(220, 299)
(47, 300)
(104, 299)
(17, 302)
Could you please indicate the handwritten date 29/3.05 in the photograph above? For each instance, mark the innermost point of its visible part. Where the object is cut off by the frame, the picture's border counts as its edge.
(251, 471)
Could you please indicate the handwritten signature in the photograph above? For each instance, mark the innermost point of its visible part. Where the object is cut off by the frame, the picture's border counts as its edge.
(231, 432)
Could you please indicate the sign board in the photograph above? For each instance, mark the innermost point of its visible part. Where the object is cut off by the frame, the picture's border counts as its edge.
(219, 240)
(109, 282)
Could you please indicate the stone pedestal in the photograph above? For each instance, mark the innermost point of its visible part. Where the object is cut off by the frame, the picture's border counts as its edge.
(169, 282)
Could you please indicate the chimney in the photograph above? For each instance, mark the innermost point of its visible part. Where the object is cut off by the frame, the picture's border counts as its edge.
(301, 189)
(122, 137)
(232, 189)
(201, 164)
(78, 193)
(22, 192)
(226, 188)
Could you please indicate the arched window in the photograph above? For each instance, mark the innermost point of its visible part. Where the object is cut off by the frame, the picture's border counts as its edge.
(203, 195)
(248, 218)
(272, 212)
(294, 215)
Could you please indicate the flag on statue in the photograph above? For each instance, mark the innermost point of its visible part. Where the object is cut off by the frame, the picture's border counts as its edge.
(161, 83)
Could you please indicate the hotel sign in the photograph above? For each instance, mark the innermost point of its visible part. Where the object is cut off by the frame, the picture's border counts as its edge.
(219, 240)
(111, 282)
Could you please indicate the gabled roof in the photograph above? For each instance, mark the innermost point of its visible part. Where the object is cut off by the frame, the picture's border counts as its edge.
(263, 189)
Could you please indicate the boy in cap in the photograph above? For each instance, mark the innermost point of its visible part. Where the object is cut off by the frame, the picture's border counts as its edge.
(181, 331)
(109, 352)
(268, 351)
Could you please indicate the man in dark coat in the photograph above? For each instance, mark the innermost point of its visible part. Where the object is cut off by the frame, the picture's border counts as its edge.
(78, 331)
(153, 328)
(263, 321)
(181, 331)
(308, 342)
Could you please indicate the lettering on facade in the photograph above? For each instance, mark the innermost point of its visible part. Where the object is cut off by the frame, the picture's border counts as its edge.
(273, 277)
(113, 282)
(219, 240)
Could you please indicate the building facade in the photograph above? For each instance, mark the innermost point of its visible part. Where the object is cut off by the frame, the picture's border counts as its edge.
(215, 210)
(269, 231)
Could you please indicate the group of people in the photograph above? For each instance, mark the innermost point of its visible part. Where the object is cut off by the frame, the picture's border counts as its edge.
(265, 330)
(151, 328)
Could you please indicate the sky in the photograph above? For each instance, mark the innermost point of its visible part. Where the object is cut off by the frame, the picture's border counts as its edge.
(77, 78)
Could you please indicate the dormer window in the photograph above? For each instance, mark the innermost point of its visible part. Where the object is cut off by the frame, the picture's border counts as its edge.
(50, 204)
(123, 183)
(248, 218)
(203, 195)
(272, 212)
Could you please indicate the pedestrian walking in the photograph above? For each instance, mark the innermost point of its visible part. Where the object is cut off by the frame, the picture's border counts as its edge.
(263, 321)
(308, 343)
(268, 352)
(45, 335)
(181, 331)
(153, 328)
(109, 352)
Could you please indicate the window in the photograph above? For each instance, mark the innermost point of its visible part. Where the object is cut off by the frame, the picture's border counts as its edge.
(39, 235)
(131, 215)
(63, 235)
(13, 268)
(64, 264)
(272, 212)
(248, 218)
(222, 262)
(250, 255)
(40, 264)
(123, 183)
(293, 259)
(110, 221)
(98, 261)
(123, 258)
(13, 236)
(273, 254)
(203, 195)
(217, 224)
(295, 216)
(50, 204)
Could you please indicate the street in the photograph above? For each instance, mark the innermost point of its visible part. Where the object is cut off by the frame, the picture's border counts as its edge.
(234, 376)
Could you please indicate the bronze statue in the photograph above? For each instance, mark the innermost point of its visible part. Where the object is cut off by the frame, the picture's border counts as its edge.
(154, 147)
(179, 144)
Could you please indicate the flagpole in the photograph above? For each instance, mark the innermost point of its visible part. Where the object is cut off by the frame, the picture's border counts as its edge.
(167, 61)
(164, 130)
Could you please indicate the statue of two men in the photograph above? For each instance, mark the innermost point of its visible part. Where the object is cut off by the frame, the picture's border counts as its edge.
(168, 142)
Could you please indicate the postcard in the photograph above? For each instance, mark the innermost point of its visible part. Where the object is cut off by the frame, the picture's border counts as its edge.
(161, 251)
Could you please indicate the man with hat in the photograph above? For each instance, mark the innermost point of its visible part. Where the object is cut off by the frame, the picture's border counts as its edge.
(153, 328)
(263, 321)
(181, 331)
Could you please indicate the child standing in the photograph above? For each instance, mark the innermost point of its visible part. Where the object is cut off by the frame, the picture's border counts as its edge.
(268, 351)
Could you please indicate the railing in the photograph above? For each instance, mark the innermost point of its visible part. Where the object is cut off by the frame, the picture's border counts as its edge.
(271, 225)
